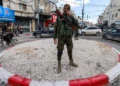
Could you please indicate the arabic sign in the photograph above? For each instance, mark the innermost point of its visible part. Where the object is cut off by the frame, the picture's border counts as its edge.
(6, 14)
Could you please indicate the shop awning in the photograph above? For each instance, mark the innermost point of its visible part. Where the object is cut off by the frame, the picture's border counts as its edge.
(6, 15)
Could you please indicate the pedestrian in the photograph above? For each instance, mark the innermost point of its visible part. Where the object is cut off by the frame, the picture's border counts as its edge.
(15, 30)
(39, 27)
(18, 29)
(4, 27)
(21, 30)
(102, 28)
(63, 33)
(0, 28)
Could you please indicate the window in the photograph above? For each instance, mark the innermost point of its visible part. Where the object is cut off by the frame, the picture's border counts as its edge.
(112, 16)
(51, 28)
(92, 28)
(86, 28)
(22, 6)
(116, 14)
(115, 31)
(110, 5)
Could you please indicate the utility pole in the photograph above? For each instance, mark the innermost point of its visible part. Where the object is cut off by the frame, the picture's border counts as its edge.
(38, 13)
(83, 14)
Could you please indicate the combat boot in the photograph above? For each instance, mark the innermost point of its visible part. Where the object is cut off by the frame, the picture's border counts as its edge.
(76, 38)
(73, 64)
(59, 67)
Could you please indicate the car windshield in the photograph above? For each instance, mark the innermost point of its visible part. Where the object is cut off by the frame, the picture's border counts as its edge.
(51, 28)
(115, 31)
(112, 31)
(86, 28)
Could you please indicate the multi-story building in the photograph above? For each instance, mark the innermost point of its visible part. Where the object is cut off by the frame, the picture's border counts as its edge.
(114, 12)
(24, 13)
(111, 15)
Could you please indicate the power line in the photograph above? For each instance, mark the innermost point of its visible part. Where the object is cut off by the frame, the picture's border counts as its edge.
(71, 2)
(92, 11)
(96, 5)
(26, 1)
(85, 4)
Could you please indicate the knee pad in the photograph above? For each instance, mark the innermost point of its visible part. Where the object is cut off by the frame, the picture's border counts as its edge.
(60, 52)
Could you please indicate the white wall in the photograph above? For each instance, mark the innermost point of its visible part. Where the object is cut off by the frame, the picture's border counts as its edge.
(114, 6)
(110, 10)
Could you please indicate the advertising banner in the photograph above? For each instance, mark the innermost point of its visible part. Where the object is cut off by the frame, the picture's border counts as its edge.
(7, 15)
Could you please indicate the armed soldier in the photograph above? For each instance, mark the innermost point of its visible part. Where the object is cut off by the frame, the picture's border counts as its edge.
(64, 32)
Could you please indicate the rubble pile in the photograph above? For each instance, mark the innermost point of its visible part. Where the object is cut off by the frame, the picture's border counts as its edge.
(38, 60)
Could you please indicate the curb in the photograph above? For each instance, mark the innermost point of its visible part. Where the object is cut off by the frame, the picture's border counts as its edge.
(28, 34)
(7, 78)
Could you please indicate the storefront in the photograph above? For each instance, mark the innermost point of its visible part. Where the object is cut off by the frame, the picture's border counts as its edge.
(24, 23)
(43, 18)
(51, 21)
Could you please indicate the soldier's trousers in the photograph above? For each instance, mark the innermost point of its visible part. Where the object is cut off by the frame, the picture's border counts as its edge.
(61, 42)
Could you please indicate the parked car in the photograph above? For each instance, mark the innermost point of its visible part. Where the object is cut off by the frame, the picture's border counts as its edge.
(26, 30)
(90, 31)
(44, 32)
(106, 29)
(112, 34)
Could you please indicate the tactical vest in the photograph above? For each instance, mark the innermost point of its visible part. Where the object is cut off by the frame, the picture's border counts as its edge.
(65, 27)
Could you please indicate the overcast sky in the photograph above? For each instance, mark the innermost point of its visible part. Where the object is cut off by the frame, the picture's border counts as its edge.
(91, 10)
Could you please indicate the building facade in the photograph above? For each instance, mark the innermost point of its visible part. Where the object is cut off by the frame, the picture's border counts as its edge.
(114, 13)
(111, 14)
(24, 13)
(46, 14)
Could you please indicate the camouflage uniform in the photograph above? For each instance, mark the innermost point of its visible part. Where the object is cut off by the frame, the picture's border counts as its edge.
(63, 31)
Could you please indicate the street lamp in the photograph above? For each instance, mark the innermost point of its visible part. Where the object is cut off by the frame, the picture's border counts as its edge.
(83, 14)
(38, 14)
(39, 9)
